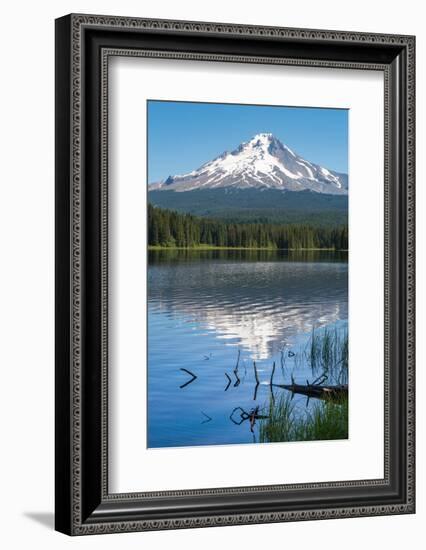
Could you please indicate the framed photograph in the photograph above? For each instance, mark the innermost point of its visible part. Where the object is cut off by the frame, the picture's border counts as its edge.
(234, 274)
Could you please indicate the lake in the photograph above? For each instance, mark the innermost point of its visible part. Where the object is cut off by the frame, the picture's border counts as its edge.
(209, 311)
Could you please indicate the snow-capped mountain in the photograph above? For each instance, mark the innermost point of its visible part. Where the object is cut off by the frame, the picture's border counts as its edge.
(263, 163)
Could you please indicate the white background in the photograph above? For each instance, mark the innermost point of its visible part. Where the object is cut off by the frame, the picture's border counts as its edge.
(26, 218)
(132, 81)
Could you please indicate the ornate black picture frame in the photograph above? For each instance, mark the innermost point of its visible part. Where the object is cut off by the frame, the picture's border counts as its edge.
(83, 45)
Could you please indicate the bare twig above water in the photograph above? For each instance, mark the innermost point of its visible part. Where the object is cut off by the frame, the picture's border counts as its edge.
(208, 418)
(237, 379)
(229, 381)
(271, 383)
(252, 416)
(257, 381)
(255, 392)
(189, 381)
(255, 372)
(243, 415)
(282, 360)
(320, 380)
(272, 394)
(272, 374)
(238, 359)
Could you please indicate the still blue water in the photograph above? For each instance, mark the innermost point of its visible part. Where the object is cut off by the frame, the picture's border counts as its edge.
(206, 309)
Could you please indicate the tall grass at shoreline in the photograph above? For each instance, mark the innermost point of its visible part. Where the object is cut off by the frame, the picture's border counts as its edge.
(327, 420)
(327, 355)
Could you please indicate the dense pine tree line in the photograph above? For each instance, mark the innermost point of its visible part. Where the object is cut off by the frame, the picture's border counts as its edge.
(172, 229)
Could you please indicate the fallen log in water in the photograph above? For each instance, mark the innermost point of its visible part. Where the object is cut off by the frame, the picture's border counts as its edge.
(315, 390)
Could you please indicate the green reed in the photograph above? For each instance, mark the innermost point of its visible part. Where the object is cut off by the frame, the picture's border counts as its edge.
(326, 420)
(327, 352)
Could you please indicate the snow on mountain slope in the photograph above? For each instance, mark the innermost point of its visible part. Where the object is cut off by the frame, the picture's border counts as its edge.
(263, 162)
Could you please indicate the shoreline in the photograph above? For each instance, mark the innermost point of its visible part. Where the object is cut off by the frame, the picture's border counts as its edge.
(209, 247)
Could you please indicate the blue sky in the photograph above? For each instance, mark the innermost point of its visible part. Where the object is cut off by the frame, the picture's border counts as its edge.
(183, 135)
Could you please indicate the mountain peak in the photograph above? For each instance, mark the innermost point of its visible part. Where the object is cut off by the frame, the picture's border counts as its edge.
(264, 137)
(262, 162)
